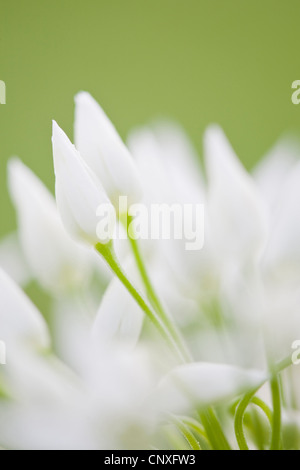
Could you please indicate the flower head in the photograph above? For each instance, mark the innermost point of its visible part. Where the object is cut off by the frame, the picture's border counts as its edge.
(179, 333)
(100, 145)
(78, 193)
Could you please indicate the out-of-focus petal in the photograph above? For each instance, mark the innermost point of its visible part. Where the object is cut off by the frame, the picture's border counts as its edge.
(283, 250)
(204, 384)
(236, 212)
(167, 163)
(119, 319)
(271, 173)
(20, 321)
(171, 174)
(12, 259)
(53, 257)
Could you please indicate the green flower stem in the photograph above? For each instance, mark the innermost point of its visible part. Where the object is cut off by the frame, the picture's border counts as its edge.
(276, 422)
(239, 420)
(189, 437)
(108, 254)
(264, 407)
(155, 301)
(198, 429)
(194, 425)
(214, 430)
(151, 293)
(282, 365)
(240, 414)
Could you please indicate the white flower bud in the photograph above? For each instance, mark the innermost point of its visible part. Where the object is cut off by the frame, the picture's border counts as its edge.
(78, 193)
(102, 148)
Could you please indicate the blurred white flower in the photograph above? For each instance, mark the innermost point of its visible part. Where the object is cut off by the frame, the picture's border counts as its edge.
(271, 172)
(119, 319)
(53, 257)
(237, 300)
(171, 173)
(204, 384)
(12, 259)
(47, 399)
(236, 212)
(21, 323)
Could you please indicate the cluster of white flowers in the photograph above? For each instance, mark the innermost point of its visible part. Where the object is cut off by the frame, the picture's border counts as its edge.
(149, 345)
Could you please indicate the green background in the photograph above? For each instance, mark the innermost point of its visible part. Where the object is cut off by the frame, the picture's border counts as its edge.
(196, 61)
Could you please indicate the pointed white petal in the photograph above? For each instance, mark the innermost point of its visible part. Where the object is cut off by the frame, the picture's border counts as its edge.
(167, 164)
(53, 257)
(204, 384)
(78, 193)
(100, 145)
(20, 321)
(237, 215)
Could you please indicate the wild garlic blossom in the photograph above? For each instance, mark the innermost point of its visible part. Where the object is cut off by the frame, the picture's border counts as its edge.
(149, 345)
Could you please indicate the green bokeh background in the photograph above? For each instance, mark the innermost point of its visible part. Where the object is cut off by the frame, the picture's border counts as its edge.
(196, 61)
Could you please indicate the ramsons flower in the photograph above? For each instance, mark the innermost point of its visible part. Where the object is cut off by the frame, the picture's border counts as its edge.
(183, 346)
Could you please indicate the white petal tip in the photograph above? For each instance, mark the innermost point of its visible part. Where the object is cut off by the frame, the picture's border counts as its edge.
(13, 165)
(83, 96)
(55, 128)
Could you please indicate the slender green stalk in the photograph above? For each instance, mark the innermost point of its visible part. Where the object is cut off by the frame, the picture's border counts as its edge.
(239, 420)
(194, 425)
(240, 414)
(214, 430)
(264, 407)
(108, 254)
(198, 429)
(189, 437)
(212, 424)
(151, 293)
(276, 422)
(282, 365)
